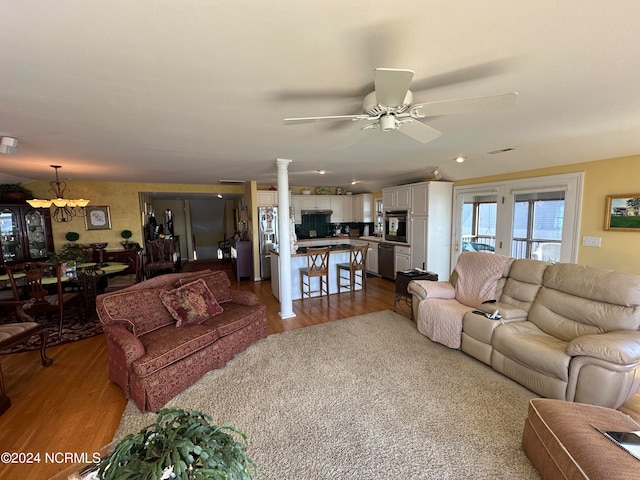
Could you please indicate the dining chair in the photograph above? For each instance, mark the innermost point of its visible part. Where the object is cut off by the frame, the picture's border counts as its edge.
(16, 332)
(160, 256)
(317, 266)
(33, 281)
(126, 279)
(357, 263)
(91, 282)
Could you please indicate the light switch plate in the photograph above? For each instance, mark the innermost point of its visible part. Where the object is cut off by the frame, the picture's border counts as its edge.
(591, 241)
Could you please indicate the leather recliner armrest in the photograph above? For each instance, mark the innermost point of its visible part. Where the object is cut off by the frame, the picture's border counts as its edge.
(621, 347)
(507, 311)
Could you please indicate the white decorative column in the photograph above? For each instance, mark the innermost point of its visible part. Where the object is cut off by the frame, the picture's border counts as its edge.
(284, 242)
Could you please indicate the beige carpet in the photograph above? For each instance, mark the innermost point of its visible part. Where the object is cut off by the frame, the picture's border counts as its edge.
(364, 398)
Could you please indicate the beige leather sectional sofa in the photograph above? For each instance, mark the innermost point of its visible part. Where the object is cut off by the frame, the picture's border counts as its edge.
(566, 331)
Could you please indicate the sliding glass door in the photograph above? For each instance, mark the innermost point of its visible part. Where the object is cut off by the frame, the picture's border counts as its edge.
(529, 218)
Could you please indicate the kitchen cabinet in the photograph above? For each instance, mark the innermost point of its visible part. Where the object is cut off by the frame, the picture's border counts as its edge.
(296, 203)
(347, 208)
(316, 202)
(430, 227)
(402, 258)
(25, 233)
(396, 198)
(372, 258)
(337, 209)
(267, 198)
(363, 207)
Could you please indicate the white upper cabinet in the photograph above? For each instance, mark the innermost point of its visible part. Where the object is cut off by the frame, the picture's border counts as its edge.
(316, 202)
(296, 203)
(363, 207)
(396, 198)
(267, 198)
(420, 199)
(339, 214)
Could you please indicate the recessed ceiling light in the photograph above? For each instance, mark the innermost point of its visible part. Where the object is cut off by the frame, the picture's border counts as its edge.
(219, 195)
(460, 159)
(354, 182)
(321, 172)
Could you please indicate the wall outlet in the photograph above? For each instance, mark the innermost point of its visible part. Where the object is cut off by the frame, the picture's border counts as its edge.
(591, 241)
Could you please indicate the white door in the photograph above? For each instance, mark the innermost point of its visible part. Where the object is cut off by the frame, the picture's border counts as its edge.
(526, 218)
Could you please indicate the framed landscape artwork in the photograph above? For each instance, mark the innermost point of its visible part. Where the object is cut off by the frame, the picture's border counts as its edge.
(623, 212)
(97, 218)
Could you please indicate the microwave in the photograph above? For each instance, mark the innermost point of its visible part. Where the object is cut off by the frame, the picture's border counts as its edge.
(395, 226)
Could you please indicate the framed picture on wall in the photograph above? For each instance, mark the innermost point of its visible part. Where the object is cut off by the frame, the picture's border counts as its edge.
(97, 218)
(623, 212)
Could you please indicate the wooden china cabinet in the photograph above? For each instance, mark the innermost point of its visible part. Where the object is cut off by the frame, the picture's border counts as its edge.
(25, 233)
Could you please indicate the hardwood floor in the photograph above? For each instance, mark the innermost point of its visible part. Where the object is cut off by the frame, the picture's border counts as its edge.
(71, 408)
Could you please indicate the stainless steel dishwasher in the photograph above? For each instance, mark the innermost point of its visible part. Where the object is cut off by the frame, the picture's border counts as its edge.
(386, 260)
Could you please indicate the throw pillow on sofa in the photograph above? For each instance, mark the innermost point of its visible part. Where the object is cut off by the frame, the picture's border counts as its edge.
(190, 304)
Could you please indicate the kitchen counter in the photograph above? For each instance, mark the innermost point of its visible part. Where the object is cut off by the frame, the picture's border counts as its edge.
(302, 251)
(382, 240)
(339, 254)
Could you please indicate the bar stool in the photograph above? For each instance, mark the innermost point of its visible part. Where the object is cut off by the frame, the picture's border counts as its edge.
(317, 266)
(357, 263)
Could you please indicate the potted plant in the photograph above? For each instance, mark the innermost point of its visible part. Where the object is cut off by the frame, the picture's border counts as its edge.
(126, 234)
(70, 254)
(72, 236)
(15, 191)
(182, 445)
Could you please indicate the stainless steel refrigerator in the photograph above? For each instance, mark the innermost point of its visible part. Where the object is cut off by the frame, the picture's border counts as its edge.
(267, 236)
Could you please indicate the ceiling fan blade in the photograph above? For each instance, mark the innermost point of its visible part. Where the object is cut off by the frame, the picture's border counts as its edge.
(353, 138)
(356, 93)
(463, 75)
(419, 131)
(296, 121)
(391, 85)
(446, 107)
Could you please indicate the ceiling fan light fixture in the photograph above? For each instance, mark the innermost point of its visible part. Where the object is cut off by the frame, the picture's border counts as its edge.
(387, 123)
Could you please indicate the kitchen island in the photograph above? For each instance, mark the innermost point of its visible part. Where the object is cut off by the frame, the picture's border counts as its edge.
(339, 254)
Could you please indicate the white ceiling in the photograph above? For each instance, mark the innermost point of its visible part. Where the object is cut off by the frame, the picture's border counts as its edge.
(195, 91)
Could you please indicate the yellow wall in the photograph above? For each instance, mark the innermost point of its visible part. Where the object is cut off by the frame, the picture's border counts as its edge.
(123, 203)
(601, 178)
(619, 250)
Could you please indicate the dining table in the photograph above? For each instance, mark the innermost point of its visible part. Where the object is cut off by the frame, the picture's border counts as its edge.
(89, 278)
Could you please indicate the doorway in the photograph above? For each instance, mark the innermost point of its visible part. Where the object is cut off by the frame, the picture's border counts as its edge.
(200, 220)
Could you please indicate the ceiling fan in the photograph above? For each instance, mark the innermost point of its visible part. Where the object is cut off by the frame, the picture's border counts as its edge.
(390, 107)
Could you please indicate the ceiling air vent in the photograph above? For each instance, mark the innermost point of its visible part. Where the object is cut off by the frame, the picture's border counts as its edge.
(503, 150)
(232, 182)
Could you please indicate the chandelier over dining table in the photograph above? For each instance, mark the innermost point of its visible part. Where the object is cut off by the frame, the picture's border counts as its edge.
(65, 209)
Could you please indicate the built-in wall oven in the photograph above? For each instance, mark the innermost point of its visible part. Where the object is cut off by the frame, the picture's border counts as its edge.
(395, 226)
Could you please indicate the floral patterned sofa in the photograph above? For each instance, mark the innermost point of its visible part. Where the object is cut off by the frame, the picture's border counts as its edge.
(165, 333)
